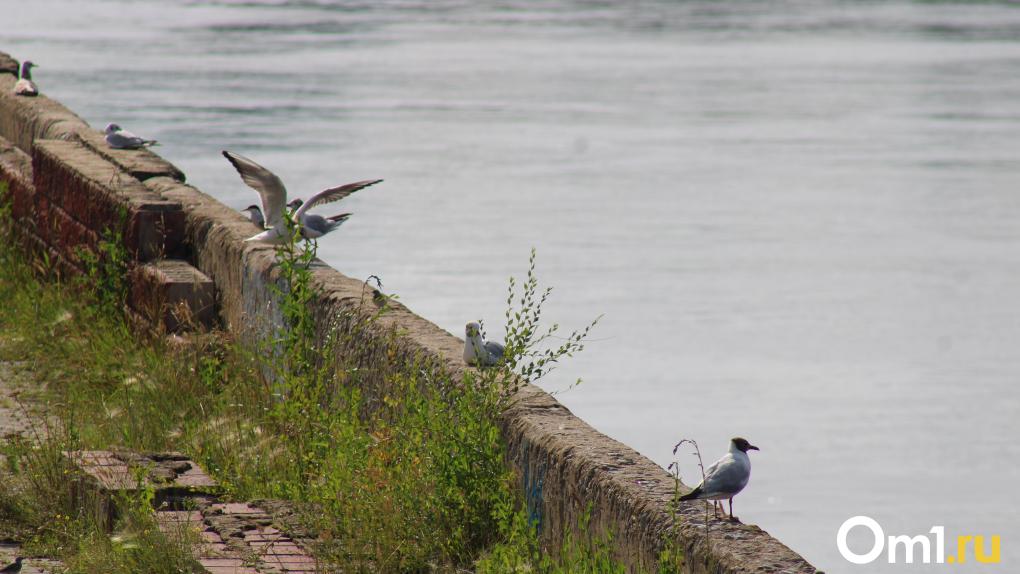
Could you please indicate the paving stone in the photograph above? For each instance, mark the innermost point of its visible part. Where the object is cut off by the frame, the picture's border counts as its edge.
(115, 471)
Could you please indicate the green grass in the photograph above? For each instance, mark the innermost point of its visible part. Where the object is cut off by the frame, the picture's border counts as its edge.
(406, 474)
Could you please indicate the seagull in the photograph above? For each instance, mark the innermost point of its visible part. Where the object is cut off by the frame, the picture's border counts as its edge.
(255, 216)
(727, 476)
(122, 139)
(314, 226)
(274, 200)
(478, 351)
(25, 86)
(13, 567)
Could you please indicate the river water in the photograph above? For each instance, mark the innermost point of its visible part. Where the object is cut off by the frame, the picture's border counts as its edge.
(800, 220)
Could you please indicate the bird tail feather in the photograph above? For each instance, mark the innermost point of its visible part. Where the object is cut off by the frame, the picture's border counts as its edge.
(692, 495)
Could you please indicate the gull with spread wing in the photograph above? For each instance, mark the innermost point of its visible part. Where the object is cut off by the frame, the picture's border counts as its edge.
(274, 202)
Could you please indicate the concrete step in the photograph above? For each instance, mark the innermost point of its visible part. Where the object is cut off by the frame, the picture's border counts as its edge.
(173, 295)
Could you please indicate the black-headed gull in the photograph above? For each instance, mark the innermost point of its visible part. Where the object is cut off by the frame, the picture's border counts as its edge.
(274, 200)
(119, 138)
(255, 216)
(25, 86)
(727, 476)
(478, 351)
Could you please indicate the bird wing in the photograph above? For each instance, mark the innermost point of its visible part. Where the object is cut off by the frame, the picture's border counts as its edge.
(494, 348)
(270, 188)
(124, 140)
(332, 194)
(727, 476)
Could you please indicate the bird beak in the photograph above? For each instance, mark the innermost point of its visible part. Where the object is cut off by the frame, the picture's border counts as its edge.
(752, 447)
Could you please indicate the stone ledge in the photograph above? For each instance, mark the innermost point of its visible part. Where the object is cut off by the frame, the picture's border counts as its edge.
(24, 120)
(140, 163)
(101, 196)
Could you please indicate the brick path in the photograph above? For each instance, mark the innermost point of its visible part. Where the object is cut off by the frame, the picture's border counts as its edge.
(238, 538)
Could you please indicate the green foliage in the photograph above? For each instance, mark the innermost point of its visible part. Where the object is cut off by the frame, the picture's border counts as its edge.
(526, 354)
(106, 270)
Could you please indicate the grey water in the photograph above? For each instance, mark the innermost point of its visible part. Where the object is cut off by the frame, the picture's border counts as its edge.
(800, 220)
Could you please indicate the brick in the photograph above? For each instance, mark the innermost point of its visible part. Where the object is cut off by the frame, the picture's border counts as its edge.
(236, 508)
(173, 293)
(66, 234)
(210, 536)
(277, 548)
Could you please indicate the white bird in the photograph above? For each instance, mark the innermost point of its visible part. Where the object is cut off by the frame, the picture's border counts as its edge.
(255, 216)
(25, 86)
(122, 139)
(727, 476)
(274, 200)
(478, 351)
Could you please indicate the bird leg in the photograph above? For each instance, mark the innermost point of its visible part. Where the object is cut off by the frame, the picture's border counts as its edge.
(732, 519)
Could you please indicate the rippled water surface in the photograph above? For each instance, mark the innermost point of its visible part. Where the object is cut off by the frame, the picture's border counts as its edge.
(800, 219)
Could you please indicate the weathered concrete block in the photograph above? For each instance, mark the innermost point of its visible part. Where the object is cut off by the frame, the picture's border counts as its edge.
(141, 163)
(104, 198)
(24, 120)
(173, 294)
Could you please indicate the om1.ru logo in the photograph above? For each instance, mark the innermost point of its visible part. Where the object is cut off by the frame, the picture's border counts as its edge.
(911, 544)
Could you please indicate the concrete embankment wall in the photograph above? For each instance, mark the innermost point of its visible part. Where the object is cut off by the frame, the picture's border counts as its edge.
(68, 187)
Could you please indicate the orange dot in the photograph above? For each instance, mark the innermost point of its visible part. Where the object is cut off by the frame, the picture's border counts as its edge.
(951, 559)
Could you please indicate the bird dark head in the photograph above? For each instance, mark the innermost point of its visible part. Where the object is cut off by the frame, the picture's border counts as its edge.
(26, 69)
(112, 128)
(296, 203)
(743, 445)
(252, 208)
